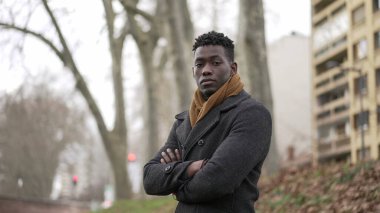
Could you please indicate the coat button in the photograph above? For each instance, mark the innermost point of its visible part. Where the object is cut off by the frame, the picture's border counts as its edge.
(168, 169)
(201, 142)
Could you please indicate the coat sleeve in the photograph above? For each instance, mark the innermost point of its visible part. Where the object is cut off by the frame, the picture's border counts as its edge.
(164, 179)
(245, 148)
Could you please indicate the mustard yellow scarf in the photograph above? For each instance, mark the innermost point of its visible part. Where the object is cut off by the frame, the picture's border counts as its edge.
(200, 107)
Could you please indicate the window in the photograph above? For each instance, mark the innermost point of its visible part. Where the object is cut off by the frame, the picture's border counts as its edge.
(361, 120)
(360, 49)
(332, 95)
(358, 15)
(376, 5)
(322, 83)
(377, 39)
(324, 132)
(331, 29)
(323, 114)
(340, 109)
(360, 85)
(339, 76)
(340, 129)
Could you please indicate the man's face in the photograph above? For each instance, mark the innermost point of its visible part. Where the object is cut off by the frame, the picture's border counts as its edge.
(211, 68)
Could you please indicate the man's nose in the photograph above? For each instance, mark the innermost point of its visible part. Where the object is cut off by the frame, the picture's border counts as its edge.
(207, 70)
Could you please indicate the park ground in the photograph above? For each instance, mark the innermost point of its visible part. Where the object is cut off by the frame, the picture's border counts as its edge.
(333, 187)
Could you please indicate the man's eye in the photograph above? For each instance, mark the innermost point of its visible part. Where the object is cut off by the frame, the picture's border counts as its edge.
(216, 63)
(198, 65)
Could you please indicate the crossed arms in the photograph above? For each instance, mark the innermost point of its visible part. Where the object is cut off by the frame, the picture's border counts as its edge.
(236, 158)
(168, 156)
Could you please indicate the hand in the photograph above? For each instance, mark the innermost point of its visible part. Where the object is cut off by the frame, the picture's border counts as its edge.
(194, 167)
(169, 156)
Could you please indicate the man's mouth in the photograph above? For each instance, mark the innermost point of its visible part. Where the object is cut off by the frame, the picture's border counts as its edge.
(207, 81)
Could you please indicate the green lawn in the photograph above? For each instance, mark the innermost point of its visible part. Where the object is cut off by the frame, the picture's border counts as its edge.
(157, 205)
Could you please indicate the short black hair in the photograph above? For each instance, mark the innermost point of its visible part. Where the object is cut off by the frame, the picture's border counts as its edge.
(215, 38)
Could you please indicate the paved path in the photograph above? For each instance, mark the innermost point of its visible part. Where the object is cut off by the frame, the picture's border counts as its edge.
(8, 205)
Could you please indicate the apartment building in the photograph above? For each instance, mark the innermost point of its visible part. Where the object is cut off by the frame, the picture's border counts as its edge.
(345, 79)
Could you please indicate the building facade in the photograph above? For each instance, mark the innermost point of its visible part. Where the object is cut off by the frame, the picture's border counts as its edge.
(345, 79)
(290, 83)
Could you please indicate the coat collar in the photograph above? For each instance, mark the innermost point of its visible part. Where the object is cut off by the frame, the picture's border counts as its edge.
(226, 105)
(189, 136)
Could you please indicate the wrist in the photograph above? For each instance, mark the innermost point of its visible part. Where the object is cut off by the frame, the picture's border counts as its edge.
(194, 167)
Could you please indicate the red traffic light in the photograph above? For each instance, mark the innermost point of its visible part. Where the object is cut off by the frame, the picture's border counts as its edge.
(132, 157)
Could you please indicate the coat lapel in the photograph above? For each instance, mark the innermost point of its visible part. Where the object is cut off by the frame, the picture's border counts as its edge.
(188, 136)
(184, 128)
(202, 127)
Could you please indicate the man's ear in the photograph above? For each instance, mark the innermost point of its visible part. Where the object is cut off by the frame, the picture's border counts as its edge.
(192, 69)
(234, 68)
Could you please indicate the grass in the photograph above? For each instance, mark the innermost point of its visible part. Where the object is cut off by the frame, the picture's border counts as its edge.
(156, 205)
(336, 187)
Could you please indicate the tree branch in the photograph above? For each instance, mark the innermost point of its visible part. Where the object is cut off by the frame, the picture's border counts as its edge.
(80, 82)
(110, 18)
(135, 30)
(57, 28)
(36, 35)
(123, 34)
(132, 8)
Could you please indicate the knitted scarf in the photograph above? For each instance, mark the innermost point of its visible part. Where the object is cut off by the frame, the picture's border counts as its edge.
(200, 107)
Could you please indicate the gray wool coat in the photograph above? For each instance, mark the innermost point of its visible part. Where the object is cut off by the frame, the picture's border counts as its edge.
(235, 138)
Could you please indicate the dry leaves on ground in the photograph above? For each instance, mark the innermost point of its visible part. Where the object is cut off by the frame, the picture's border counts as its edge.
(336, 187)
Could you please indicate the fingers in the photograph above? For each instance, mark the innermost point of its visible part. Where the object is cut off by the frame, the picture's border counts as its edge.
(165, 157)
(170, 156)
(177, 154)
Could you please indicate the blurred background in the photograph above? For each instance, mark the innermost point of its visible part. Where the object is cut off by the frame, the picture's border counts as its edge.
(89, 89)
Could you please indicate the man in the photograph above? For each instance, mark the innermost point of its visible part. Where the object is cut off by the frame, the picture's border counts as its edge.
(212, 159)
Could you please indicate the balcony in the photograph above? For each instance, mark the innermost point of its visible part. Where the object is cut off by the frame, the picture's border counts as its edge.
(332, 105)
(335, 48)
(326, 75)
(324, 8)
(333, 80)
(334, 114)
(314, 2)
(334, 147)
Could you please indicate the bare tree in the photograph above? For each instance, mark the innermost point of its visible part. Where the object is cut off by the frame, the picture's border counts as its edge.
(254, 60)
(114, 139)
(35, 126)
(179, 32)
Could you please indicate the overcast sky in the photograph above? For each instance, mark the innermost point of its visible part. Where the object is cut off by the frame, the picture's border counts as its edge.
(282, 17)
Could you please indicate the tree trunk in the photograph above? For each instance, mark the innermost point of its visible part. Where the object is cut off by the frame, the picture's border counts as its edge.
(151, 101)
(117, 150)
(255, 60)
(117, 156)
(180, 49)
